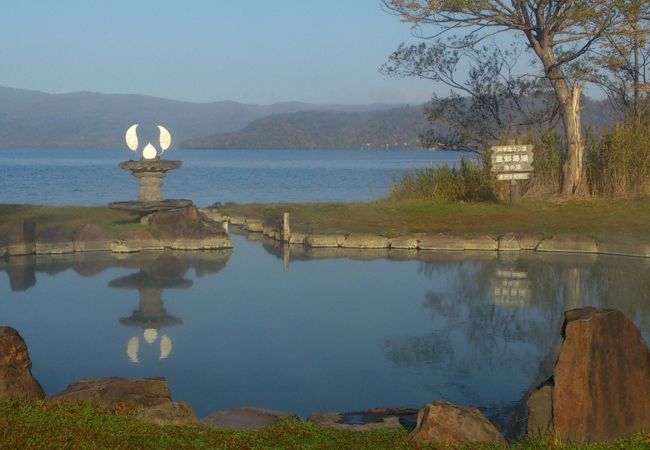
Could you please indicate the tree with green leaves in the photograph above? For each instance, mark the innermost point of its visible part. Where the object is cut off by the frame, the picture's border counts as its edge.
(558, 32)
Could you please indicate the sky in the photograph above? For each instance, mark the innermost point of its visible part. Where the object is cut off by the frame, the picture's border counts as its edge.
(252, 51)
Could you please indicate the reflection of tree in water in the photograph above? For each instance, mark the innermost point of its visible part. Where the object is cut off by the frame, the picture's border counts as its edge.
(481, 353)
(621, 283)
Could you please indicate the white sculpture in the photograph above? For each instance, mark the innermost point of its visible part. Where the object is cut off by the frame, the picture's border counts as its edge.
(149, 151)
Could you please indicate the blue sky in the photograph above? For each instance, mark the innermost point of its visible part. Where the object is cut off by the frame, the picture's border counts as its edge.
(255, 51)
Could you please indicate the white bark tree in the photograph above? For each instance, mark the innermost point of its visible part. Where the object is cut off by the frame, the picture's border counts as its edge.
(558, 32)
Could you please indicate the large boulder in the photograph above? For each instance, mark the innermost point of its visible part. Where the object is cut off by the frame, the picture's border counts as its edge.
(602, 377)
(446, 424)
(149, 396)
(246, 418)
(188, 229)
(600, 389)
(91, 238)
(16, 380)
(54, 241)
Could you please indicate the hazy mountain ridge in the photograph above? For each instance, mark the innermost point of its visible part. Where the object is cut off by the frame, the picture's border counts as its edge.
(393, 128)
(397, 127)
(92, 120)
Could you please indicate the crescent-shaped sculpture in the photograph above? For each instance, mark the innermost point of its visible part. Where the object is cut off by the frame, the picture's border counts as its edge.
(131, 137)
(165, 138)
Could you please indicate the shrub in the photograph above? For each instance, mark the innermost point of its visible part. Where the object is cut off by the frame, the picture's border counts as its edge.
(470, 181)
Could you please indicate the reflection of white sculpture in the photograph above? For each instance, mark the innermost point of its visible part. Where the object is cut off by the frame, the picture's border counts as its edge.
(132, 349)
(150, 336)
(149, 151)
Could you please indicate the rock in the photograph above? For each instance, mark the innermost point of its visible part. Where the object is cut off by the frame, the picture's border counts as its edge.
(629, 248)
(16, 380)
(107, 392)
(540, 410)
(254, 225)
(570, 243)
(237, 220)
(270, 232)
(297, 238)
(134, 241)
(19, 239)
(443, 423)
(365, 241)
(519, 241)
(481, 242)
(602, 378)
(91, 238)
(54, 241)
(245, 418)
(187, 229)
(441, 242)
(324, 240)
(372, 419)
(404, 242)
(168, 413)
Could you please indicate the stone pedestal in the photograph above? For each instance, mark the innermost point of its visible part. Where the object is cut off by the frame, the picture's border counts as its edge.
(150, 173)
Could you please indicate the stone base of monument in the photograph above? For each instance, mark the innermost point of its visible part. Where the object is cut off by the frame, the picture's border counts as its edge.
(149, 207)
(150, 174)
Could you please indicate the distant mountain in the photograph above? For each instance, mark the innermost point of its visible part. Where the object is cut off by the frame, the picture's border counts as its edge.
(396, 127)
(91, 120)
(392, 128)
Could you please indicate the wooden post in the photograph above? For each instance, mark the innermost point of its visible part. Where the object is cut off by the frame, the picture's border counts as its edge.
(514, 192)
(286, 229)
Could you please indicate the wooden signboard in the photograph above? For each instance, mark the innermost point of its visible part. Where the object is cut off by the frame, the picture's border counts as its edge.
(512, 163)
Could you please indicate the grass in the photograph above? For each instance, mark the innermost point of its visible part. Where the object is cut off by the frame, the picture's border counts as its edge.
(81, 426)
(596, 218)
(67, 217)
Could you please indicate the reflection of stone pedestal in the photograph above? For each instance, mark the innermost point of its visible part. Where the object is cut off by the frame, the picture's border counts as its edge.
(150, 173)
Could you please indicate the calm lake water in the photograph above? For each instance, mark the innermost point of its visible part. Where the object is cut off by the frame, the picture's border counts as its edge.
(291, 329)
(336, 331)
(91, 177)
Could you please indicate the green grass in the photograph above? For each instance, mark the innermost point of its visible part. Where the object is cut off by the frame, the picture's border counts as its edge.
(68, 217)
(597, 218)
(81, 426)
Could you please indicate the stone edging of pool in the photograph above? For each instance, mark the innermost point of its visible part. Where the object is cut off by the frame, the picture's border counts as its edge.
(507, 242)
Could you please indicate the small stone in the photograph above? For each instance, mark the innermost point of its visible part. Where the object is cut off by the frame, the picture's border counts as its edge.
(91, 238)
(168, 413)
(324, 240)
(245, 418)
(443, 423)
(441, 242)
(365, 241)
(404, 242)
(568, 243)
(107, 392)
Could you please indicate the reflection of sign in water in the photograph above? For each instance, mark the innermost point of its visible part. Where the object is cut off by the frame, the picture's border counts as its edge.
(165, 272)
(510, 288)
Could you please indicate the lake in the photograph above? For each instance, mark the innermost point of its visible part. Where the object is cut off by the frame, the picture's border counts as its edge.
(91, 177)
(336, 331)
(290, 328)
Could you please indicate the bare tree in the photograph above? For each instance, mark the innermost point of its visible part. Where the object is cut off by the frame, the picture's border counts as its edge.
(622, 67)
(488, 100)
(558, 32)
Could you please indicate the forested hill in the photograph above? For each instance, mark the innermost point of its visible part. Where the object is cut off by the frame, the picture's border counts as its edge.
(34, 119)
(398, 127)
(392, 128)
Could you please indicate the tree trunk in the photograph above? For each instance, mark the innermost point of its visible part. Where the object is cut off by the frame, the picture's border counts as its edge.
(573, 172)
